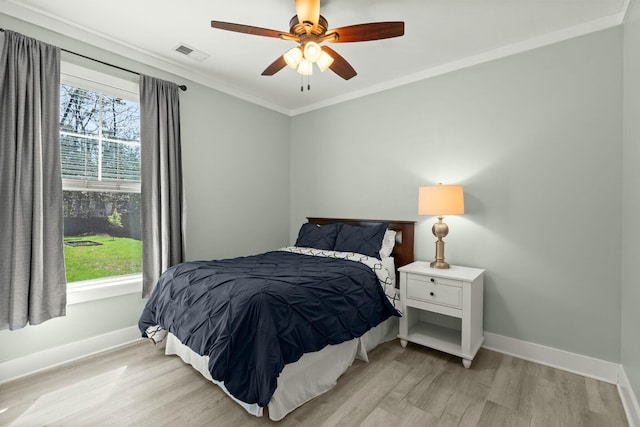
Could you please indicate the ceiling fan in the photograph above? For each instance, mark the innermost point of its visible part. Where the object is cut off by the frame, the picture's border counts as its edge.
(309, 29)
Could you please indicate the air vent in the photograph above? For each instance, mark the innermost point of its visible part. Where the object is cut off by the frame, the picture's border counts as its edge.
(191, 52)
(184, 49)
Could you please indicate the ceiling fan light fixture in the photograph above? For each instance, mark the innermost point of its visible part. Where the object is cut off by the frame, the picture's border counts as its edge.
(312, 51)
(308, 29)
(306, 67)
(293, 57)
(324, 61)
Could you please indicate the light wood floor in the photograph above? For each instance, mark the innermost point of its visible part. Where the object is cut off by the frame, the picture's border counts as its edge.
(138, 386)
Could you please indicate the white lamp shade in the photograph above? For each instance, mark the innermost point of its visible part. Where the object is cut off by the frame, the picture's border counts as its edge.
(441, 200)
(293, 57)
(324, 61)
(312, 51)
(306, 67)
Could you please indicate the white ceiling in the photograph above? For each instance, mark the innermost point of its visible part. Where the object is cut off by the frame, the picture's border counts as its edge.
(440, 36)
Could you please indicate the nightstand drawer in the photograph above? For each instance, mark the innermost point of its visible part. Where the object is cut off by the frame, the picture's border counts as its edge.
(434, 290)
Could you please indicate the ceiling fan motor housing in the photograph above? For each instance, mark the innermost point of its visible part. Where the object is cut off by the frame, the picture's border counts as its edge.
(300, 29)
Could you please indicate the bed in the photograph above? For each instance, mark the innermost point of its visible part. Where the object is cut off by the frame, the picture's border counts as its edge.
(280, 328)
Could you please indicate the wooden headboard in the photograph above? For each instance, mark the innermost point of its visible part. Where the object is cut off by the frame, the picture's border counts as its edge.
(403, 250)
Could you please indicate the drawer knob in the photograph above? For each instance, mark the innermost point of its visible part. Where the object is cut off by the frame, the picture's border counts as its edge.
(433, 280)
(432, 294)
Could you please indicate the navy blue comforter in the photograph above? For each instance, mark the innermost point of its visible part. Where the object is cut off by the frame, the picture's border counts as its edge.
(252, 315)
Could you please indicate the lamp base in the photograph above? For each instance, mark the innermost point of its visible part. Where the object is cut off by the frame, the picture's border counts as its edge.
(439, 264)
(440, 230)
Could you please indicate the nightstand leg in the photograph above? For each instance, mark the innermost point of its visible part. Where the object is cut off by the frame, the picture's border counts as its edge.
(403, 343)
(466, 363)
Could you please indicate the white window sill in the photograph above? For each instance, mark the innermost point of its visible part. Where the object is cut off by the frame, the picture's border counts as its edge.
(91, 290)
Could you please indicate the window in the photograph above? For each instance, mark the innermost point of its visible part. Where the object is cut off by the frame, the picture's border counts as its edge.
(100, 156)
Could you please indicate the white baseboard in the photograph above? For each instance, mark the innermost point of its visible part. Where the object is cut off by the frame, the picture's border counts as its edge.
(629, 399)
(16, 368)
(583, 365)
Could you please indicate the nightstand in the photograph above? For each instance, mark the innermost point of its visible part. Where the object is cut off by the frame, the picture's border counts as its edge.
(442, 308)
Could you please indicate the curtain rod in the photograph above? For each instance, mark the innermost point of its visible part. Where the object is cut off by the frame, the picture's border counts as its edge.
(182, 87)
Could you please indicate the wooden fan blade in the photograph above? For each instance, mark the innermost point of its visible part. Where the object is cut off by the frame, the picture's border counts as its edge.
(247, 29)
(275, 66)
(367, 32)
(308, 11)
(340, 66)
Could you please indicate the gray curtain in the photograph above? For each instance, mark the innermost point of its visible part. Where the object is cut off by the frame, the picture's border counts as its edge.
(32, 277)
(161, 175)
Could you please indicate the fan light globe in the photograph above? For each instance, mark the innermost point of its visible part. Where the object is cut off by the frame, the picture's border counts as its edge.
(312, 51)
(293, 57)
(305, 68)
(324, 61)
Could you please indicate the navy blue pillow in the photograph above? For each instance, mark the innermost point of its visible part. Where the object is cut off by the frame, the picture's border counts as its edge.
(366, 240)
(317, 236)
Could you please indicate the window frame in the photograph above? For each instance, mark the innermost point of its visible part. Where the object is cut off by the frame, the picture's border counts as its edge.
(86, 78)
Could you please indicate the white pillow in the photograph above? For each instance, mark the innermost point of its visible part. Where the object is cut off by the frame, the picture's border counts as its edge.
(388, 242)
(390, 288)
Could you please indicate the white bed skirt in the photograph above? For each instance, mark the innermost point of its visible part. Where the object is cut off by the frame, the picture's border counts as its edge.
(313, 374)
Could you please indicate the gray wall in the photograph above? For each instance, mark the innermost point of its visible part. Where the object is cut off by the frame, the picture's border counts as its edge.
(536, 140)
(236, 177)
(631, 201)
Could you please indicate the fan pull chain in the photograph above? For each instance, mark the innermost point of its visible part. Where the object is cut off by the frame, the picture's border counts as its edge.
(302, 83)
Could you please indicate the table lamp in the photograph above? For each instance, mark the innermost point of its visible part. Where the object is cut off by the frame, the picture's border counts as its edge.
(440, 200)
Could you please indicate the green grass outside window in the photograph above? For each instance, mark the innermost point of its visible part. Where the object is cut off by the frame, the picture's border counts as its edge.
(115, 257)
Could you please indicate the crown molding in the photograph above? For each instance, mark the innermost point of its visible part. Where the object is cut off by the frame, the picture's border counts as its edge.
(502, 52)
(86, 34)
(67, 28)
